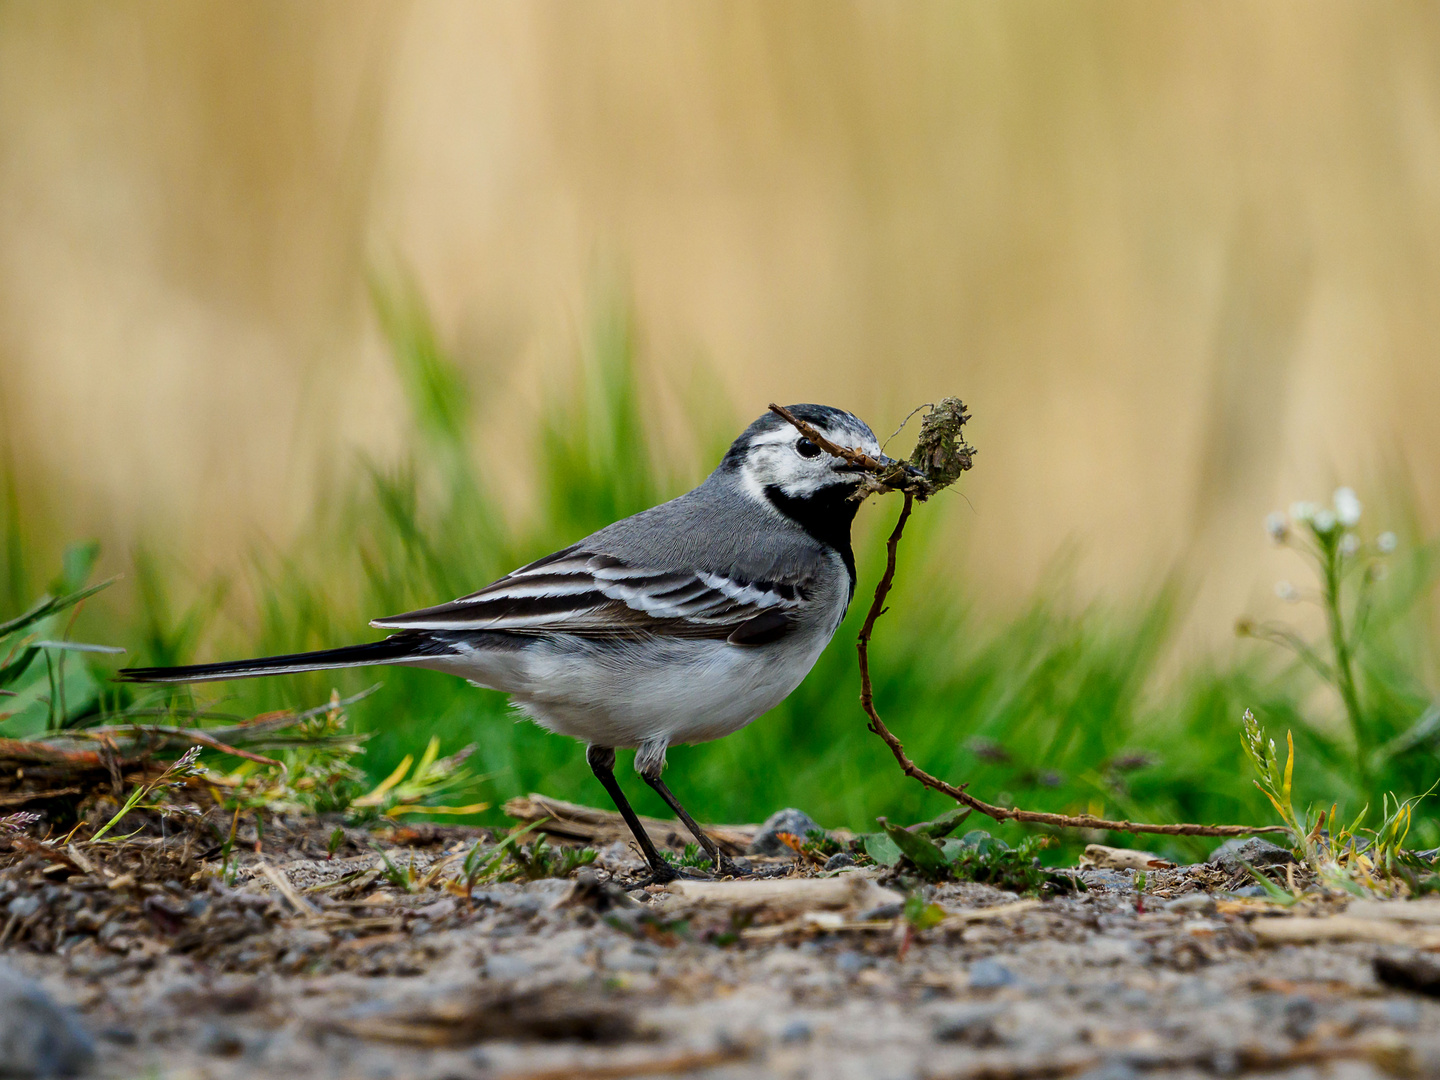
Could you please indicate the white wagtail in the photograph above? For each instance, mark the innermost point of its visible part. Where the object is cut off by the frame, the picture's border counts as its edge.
(680, 624)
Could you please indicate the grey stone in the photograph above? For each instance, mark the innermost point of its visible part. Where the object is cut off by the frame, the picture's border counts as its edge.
(852, 963)
(1233, 855)
(884, 911)
(797, 1031)
(990, 975)
(1196, 903)
(1400, 1013)
(38, 1038)
(1251, 891)
(22, 907)
(1111, 1070)
(438, 910)
(839, 859)
(1113, 880)
(789, 820)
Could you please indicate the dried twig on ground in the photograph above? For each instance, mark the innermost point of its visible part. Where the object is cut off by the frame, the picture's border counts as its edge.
(943, 448)
(587, 824)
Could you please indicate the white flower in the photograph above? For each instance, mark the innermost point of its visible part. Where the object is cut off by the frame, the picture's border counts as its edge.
(1287, 592)
(1302, 511)
(1324, 521)
(1349, 544)
(1277, 527)
(1347, 507)
(1386, 542)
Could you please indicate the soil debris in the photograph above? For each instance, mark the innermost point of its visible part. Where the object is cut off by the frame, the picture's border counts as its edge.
(373, 955)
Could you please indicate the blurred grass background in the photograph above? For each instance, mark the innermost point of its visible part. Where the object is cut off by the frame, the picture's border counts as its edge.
(312, 312)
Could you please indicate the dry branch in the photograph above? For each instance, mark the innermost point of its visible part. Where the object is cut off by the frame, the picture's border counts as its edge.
(940, 436)
(589, 825)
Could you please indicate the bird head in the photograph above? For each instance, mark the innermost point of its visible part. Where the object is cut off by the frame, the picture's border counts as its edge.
(771, 457)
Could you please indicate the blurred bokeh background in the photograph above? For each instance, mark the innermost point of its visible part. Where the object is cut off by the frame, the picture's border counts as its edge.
(1182, 262)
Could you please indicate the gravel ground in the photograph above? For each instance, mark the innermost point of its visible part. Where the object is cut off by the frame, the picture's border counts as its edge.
(563, 978)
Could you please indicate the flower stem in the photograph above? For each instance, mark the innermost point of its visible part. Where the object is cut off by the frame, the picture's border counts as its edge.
(1344, 667)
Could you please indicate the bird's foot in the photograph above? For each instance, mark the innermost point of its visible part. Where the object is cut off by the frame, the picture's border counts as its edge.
(667, 872)
(663, 873)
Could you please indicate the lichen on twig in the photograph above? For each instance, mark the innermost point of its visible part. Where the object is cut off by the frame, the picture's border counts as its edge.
(941, 455)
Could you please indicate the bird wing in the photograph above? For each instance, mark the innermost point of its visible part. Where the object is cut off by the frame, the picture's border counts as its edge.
(595, 595)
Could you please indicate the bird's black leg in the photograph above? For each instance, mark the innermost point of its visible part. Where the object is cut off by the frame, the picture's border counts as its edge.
(723, 864)
(601, 760)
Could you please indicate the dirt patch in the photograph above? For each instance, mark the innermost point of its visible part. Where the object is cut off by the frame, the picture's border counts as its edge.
(318, 965)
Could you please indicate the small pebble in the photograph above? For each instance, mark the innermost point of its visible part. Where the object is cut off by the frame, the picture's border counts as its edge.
(1111, 1070)
(37, 1037)
(839, 859)
(796, 1031)
(795, 822)
(852, 963)
(989, 975)
(1234, 855)
(1196, 903)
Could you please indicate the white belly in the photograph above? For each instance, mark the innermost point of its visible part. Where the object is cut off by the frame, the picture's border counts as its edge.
(657, 691)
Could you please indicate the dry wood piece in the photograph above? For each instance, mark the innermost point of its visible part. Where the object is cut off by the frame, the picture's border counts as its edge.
(1301, 931)
(282, 885)
(676, 1064)
(1404, 911)
(958, 919)
(1119, 858)
(849, 890)
(497, 1012)
(587, 824)
(1009, 1065)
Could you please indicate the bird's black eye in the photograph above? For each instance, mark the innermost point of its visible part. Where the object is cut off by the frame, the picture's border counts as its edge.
(806, 448)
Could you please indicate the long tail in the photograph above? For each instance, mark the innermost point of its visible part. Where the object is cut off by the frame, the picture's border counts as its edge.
(395, 649)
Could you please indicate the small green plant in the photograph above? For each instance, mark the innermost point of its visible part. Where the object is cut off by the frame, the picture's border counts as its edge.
(175, 775)
(1349, 858)
(18, 821)
(1348, 568)
(337, 839)
(920, 914)
(1276, 782)
(540, 860)
(406, 879)
(474, 868)
(977, 856)
(38, 694)
(693, 856)
(433, 779)
(509, 860)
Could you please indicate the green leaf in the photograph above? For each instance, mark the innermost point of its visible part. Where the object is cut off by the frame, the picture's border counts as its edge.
(50, 606)
(928, 858)
(77, 564)
(920, 915)
(945, 824)
(881, 848)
